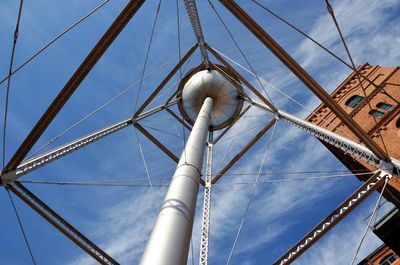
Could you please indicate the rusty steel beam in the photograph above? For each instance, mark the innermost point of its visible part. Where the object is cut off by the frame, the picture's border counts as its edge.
(156, 142)
(166, 80)
(241, 78)
(90, 61)
(305, 77)
(178, 119)
(60, 223)
(334, 218)
(243, 151)
(231, 125)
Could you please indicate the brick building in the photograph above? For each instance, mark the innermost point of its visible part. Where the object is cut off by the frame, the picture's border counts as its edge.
(381, 256)
(374, 105)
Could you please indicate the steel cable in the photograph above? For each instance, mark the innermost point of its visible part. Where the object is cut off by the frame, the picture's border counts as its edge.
(148, 52)
(277, 89)
(240, 50)
(54, 40)
(251, 197)
(369, 222)
(98, 109)
(180, 69)
(21, 227)
(308, 37)
(93, 183)
(353, 67)
(16, 33)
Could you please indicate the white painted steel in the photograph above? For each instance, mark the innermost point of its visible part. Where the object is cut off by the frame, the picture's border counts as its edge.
(205, 222)
(170, 239)
(334, 139)
(210, 83)
(41, 160)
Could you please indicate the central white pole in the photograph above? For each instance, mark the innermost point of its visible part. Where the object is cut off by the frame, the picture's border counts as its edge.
(170, 239)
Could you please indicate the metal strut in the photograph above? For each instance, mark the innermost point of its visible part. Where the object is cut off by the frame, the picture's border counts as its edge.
(39, 161)
(335, 217)
(191, 10)
(333, 139)
(205, 223)
(61, 224)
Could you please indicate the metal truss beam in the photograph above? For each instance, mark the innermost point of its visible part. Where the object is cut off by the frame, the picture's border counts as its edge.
(305, 77)
(335, 140)
(332, 219)
(205, 223)
(241, 78)
(243, 151)
(191, 10)
(166, 80)
(39, 161)
(60, 223)
(156, 142)
(102, 45)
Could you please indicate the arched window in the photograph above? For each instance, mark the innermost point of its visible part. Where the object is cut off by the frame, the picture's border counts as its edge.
(384, 106)
(398, 123)
(389, 259)
(376, 113)
(353, 101)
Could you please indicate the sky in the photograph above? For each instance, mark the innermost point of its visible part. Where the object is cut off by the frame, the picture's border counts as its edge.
(119, 219)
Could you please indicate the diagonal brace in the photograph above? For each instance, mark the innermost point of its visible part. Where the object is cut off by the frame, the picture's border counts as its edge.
(334, 218)
(90, 61)
(156, 142)
(304, 76)
(333, 139)
(241, 78)
(243, 151)
(39, 161)
(231, 125)
(60, 223)
(166, 80)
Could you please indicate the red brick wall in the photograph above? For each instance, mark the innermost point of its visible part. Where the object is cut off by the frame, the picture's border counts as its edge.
(387, 91)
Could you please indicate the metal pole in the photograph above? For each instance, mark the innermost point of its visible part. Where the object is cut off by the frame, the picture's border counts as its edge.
(205, 223)
(347, 145)
(170, 239)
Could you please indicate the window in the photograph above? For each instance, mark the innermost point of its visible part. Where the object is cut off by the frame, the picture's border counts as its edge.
(376, 113)
(383, 106)
(354, 101)
(389, 259)
(398, 123)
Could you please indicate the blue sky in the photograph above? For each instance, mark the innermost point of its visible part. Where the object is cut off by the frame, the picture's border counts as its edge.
(119, 219)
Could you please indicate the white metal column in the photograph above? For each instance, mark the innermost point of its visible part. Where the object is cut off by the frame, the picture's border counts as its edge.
(170, 239)
(205, 223)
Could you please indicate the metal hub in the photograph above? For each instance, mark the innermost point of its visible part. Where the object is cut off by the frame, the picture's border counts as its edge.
(199, 84)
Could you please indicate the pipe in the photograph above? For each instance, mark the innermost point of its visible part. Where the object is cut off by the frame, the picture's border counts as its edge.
(170, 239)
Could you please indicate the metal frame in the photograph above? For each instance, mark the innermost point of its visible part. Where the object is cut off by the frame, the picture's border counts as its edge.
(34, 163)
(334, 218)
(156, 142)
(166, 80)
(333, 139)
(219, 137)
(83, 70)
(241, 78)
(306, 78)
(173, 114)
(243, 151)
(60, 223)
(205, 222)
(191, 10)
